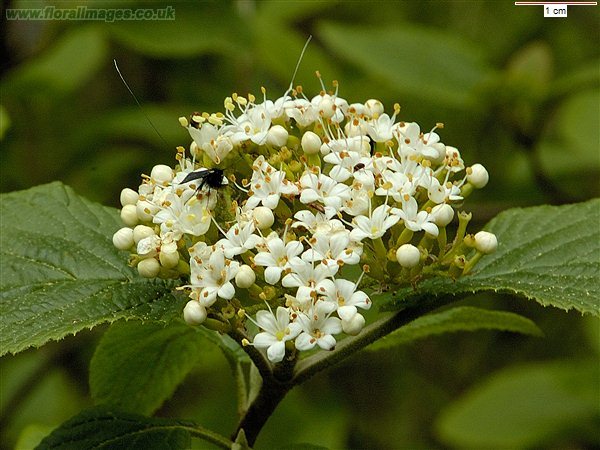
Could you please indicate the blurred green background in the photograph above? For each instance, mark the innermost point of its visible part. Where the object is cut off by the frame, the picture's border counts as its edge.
(516, 91)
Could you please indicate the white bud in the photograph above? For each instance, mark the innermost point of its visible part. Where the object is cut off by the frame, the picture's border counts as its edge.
(354, 325)
(129, 197)
(148, 247)
(408, 255)
(263, 217)
(441, 149)
(373, 107)
(148, 268)
(129, 215)
(326, 107)
(358, 108)
(146, 210)
(142, 231)
(123, 239)
(245, 277)
(194, 313)
(479, 176)
(168, 260)
(161, 174)
(277, 136)
(486, 242)
(311, 143)
(442, 214)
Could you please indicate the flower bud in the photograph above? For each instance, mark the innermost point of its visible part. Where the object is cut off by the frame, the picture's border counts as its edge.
(148, 268)
(478, 176)
(161, 174)
(168, 260)
(326, 106)
(408, 255)
(194, 313)
(277, 136)
(486, 242)
(442, 214)
(129, 197)
(373, 108)
(311, 143)
(123, 238)
(146, 210)
(354, 325)
(264, 217)
(142, 231)
(358, 128)
(129, 215)
(245, 277)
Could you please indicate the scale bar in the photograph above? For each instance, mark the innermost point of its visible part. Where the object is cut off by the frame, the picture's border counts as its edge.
(557, 3)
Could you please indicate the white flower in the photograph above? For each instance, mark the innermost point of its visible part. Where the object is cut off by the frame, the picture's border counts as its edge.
(302, 111)
(239, 239)
(323, 189)
(317, 222)
(318, 328)
(414, 219)
(277, 330)
(412, 142)
(332, 249)
(211, 278)
(277, 256)
(183, 217)
(344, 297)
(304, 273)
(381, 129)
(267, 185)
(253, 124)
(209, 139)
(374, 226)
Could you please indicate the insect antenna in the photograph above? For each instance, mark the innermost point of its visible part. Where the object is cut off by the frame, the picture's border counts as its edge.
(138, 103)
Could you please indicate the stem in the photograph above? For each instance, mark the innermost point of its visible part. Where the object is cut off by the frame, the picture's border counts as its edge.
(284, 376)
(209, 436)
(270, 395)
(349, 346)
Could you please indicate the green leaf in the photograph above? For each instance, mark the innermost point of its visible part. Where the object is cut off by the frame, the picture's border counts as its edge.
(463, 318)
(524, 406)
(61, 273)
(103, 428)
(67, 66)
(137, 366)
(427, 63)
(547, 253)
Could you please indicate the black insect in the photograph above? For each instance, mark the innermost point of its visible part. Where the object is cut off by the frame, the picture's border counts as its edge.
(358, 167)
(213, 178)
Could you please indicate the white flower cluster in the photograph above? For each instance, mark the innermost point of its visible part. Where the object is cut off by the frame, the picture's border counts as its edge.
(330, 195)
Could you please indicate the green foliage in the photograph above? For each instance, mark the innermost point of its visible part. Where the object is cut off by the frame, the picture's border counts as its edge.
(138, 366)
(61, 273)
(66, 67)
(547, 253)
(524, 406)
(463, 318)
(160, 357)
(102, 427)
(401, 57)
(516, 92)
